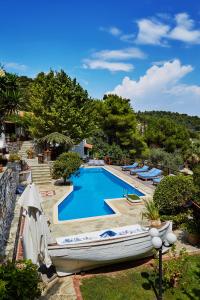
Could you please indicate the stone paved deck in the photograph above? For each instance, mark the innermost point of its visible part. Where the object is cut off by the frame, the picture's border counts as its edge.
(60, 289)
(129, 214)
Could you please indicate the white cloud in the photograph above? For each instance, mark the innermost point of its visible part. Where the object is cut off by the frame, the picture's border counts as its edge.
(15, 66)
(151, 32)
(106, 65)
(130, 37)
(112, 60)
(127, 53)
(160, 89)
(184, 30)
(112, 30)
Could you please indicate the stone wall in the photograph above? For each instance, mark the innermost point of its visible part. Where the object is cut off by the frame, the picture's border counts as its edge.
(8, 183)
(13, 146)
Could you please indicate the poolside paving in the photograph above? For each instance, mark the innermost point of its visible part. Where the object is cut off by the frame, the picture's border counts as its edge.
(129, 214)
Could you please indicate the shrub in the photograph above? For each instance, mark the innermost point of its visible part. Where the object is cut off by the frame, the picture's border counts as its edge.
(19, 281)
(174, 268)
(196, 179)
(65, 165)
(2, 289)
(177, 220)
(69, 155)
(172, 193)
(192, 225)
(14, 157)
(170, 160)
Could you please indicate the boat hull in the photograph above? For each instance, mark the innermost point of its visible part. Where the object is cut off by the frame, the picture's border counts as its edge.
(71, 259)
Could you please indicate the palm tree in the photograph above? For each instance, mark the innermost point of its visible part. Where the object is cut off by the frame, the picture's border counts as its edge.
(56, 138)
(10, 96)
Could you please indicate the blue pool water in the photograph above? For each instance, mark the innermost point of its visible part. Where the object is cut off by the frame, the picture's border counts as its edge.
(91, 187)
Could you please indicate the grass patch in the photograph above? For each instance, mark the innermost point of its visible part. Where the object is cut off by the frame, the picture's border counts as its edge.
(133, 197)
(137, 282)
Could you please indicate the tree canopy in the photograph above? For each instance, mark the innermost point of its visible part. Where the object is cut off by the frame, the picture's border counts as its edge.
(165, 133)
(60, 104)
(118, 123)
(10, 97)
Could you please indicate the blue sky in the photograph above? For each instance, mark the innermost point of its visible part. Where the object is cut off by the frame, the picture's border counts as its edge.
(145, 50)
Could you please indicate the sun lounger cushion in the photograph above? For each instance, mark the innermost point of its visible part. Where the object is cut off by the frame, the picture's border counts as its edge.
(143, 169)
(150, 174)
(130, 166)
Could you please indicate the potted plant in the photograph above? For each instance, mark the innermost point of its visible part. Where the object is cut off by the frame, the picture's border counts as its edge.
(151, 213)
(30, 152)
(1, 168)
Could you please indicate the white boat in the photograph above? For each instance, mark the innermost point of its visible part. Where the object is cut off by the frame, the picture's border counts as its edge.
(81, 252)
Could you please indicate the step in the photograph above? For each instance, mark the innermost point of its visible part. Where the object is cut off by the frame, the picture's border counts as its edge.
(39, 176)
(43, 166)
(36, 170)
(27, 142)
(41, 173)
(42, 182)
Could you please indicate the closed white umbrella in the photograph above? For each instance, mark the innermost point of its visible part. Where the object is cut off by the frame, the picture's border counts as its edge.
(36, 231)
(31, 197)
(30, 237)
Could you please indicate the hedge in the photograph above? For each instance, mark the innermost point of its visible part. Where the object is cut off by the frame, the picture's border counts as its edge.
(172, 193)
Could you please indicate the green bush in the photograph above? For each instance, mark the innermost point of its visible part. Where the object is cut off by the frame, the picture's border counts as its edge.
(19, 281)
(174, 268)
(69, 155)
(170, 160)
(65, 165)
(2, 289)
(177, 220)
(14, 157)
(192, 226)
(196, 179)
(172, 193)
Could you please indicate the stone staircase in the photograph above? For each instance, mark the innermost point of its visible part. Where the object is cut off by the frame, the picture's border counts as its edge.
(26, 145)
(41, 173)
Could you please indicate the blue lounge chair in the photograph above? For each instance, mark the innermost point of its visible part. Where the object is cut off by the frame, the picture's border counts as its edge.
(143, 169)
(150, 174)
(126, 168)
(157, 180)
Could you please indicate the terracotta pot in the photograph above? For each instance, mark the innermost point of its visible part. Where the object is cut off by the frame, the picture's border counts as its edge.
(193, 238)
(155, 223)
(1, 168)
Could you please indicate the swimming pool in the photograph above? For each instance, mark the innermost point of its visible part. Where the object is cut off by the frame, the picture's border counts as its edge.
(91, 188)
